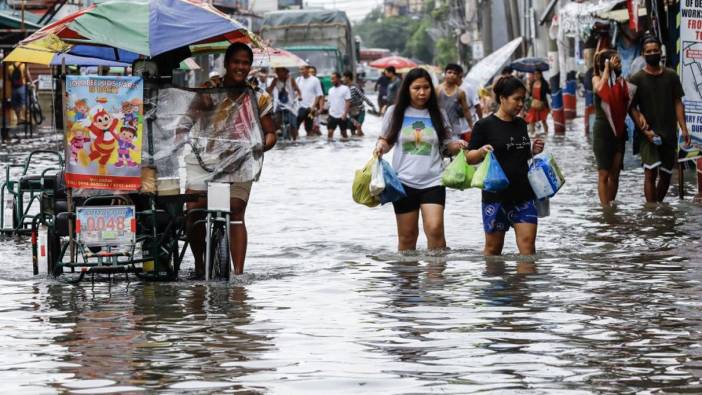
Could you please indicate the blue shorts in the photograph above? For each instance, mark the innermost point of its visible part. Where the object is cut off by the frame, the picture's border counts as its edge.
(19, 97)
(498, 217)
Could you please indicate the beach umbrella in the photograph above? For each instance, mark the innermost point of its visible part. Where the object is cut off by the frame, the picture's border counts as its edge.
(52, 51)
(490, 65)
(273, 57)
(530, 65)
(145, 27)
(400, 63)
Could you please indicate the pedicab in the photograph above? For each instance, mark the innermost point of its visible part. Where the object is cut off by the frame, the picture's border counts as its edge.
(112, 202)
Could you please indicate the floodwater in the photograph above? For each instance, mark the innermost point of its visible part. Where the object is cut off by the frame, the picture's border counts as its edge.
(611, 304)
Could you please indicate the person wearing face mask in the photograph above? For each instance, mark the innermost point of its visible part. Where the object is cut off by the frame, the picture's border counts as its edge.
(613, 96)
(658, 111)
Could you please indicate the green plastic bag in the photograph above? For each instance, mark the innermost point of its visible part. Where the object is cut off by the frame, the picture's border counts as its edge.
(360, 189)
(458, 174)
(481, 173)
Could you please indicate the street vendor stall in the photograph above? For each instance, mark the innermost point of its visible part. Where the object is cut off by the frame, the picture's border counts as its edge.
(113, 202)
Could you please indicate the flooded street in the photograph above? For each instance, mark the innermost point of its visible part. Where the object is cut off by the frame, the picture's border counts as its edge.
(612, 303)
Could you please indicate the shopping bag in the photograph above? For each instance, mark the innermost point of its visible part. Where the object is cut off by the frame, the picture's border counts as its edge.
(454, 175)
(545, 176)
(394, 190)
(490, 177)
(377, 184)
(458, 174)
(360, 189)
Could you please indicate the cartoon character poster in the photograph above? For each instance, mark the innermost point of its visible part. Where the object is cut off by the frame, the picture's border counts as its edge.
(104, 128)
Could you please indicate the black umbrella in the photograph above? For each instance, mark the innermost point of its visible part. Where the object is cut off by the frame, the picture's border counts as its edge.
(530, 65)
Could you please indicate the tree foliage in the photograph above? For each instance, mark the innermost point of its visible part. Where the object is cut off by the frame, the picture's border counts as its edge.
(411, 37)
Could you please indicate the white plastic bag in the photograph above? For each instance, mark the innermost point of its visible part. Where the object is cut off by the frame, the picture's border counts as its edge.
(377, 184)
(543, 207)
(545, 176)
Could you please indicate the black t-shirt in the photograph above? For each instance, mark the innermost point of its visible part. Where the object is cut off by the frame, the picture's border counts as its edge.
(512, 150)
(656, 96)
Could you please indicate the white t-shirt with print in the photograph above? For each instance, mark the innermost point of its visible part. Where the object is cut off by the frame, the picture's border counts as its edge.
(291, 103)
(337, 100)
(416, 154)
(310, 88)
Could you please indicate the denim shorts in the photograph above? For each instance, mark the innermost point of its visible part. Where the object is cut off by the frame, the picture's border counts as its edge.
(498, 217)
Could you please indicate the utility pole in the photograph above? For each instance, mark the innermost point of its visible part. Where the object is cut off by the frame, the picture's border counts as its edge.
(485, 24)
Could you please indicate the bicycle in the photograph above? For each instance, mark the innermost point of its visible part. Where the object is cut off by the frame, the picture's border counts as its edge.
(285, 125)
(34, 107)
(218, 260)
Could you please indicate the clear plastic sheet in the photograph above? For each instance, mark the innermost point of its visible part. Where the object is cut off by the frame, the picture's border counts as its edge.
(219, 127)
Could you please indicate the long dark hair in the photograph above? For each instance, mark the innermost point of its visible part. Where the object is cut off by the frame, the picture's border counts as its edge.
(403, 101)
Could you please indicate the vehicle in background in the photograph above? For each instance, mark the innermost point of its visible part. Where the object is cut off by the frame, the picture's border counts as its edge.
(322, 38)
(370, 76)
(370, 54)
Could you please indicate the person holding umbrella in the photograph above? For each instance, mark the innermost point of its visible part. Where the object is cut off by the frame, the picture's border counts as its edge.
(538, 108)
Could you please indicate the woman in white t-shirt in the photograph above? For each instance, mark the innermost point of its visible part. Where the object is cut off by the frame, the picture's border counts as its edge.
(419, 133)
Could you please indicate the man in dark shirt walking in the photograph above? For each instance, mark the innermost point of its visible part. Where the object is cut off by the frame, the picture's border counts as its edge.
(658, 111)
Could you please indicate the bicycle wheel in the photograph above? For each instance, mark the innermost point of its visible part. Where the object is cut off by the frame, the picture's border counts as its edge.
(35, 111)
(219, 265)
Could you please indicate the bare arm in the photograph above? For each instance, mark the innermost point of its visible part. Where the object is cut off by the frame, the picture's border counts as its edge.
(296, 89)
(477, 155)
(269, 132)
(466, 109)
(347, 107)
(271, 86)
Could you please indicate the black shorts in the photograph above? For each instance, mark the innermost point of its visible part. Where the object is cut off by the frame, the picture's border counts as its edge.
(332, 123)
(417, 197)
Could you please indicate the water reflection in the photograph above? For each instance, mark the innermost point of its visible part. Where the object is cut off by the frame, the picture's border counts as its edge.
(611, 306)
(156, 335)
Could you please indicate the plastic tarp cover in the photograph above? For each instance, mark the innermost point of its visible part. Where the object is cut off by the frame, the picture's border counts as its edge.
(217, 129)
(276, 19)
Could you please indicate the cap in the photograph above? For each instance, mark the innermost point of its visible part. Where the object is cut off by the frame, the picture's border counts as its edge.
(214, 74)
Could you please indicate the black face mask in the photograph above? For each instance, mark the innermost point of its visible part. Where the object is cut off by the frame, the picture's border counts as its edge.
(653, 59)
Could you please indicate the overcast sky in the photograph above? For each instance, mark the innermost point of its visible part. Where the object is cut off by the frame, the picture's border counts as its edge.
(355, 9)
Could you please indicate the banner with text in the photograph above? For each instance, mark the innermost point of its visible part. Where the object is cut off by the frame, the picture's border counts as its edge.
(104, 125)
(691, 75)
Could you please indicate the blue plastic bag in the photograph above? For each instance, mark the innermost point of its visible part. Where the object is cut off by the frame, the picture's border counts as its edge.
(495, 179)
(393, 187)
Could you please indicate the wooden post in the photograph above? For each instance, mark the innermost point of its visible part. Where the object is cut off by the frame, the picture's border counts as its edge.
(69, 191)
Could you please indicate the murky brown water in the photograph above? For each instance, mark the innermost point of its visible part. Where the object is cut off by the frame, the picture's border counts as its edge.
(612, 303)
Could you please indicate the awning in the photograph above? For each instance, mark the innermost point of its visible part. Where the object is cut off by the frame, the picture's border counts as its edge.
(573, 18)
(621, 15)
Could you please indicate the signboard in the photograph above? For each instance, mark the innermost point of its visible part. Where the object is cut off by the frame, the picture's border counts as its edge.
(691, 75)
(104, 127)
(478, 50)
(106, 225)
(45, 82)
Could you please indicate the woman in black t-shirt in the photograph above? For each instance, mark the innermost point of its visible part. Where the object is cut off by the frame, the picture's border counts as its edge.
(505, 134)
